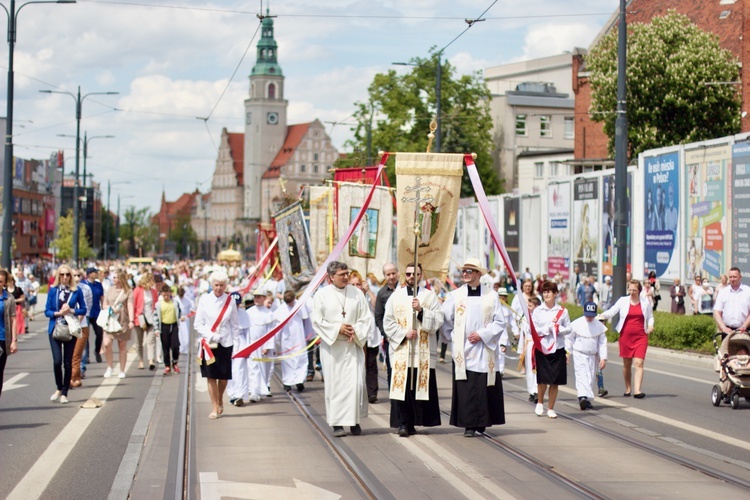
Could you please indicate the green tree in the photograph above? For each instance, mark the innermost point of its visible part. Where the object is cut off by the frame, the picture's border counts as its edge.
(137, 233)
(669, 101)
(183, 235)
(64, 240)
(400, 108)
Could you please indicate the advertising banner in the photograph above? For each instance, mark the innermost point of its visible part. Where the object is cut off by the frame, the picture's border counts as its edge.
(661, 185)
(558, 241)
(510, 229)
(740, 197)
(586, 225)
(706, 227)
(608, 223)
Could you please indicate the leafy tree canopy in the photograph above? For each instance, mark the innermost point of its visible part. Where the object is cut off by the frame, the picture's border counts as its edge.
(670, 61)
(400, 108)
(64, 241)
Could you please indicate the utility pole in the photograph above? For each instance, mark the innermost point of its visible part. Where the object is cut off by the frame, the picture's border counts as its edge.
(621, 161)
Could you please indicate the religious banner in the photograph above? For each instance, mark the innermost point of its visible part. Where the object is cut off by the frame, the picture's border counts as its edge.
(558, 243)
(708, 239)
(586, 224)
(295, 252)
(740, 196)
(369, 248)
(429, 187)
(511, 233)
(321, 221)
(662, 181)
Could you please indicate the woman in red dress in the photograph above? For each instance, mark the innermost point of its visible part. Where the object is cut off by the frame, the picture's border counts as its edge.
(636, 323)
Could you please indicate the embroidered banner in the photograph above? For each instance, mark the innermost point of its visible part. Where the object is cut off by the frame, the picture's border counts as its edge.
(436, 178)
(295, 252)
(321, 222)
(369, 249)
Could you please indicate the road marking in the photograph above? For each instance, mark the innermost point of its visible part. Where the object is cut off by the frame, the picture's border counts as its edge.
(460, 485)
(212, 488)
(683, 377)
(10, 384)
(38, 478)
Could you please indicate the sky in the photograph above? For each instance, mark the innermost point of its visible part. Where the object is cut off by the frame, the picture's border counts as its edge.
(181, 70)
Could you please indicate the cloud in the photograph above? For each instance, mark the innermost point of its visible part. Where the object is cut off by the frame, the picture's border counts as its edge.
(550, 39)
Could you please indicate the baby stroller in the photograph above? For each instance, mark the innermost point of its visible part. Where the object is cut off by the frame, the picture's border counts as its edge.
(733, 365)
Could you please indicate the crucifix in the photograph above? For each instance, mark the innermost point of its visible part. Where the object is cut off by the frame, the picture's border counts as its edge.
(417, 189)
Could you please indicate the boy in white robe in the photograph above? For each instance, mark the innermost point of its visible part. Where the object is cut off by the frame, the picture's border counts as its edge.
(587, 341)
(292, 339)
(261, 322)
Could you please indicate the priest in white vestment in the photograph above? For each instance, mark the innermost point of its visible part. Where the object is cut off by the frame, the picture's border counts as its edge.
(261, 322)
(342, 318)
(474, 324)
(291, 341)
(413, 353)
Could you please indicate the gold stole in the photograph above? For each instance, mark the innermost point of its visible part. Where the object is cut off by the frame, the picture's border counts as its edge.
(461, 296)
(400, 361)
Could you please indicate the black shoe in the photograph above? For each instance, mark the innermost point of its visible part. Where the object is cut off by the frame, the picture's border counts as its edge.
(356, 430)
(469, 433)
(402, 432)
(269, 395)
(536, 398)
(532, 397)
(589, 406)
(626, 395)
(582, 403)
(98, 358)
(300, 387)
(639, 395)
(373, 399)
(603, 392)
(152, 367)
(338, 431)
(411, 430)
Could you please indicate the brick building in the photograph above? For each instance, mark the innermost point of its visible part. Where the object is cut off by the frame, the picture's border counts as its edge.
(725, 18)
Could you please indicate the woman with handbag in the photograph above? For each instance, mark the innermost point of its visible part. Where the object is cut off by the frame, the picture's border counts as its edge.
(145, 297)
(64, 303)
(119, 309)
(8, 342)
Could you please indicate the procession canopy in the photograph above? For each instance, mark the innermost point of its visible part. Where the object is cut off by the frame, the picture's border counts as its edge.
(229, 255)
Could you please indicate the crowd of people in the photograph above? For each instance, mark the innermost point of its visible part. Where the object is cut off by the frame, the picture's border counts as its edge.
(349, 324)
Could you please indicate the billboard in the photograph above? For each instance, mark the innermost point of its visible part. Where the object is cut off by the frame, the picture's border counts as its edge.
(586, 225)
(706, 221)
(661, 215)
(558, 232)
(740, 196)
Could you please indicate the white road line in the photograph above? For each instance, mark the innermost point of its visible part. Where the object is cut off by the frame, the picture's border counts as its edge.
(11, 384)
(683, 377)
(43, 471)
(458, 464)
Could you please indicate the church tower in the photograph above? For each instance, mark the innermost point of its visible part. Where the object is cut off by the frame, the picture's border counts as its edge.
(265, 119)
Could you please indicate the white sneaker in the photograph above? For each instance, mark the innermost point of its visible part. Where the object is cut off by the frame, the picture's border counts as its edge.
(539, 410)
(254, 398)
(551, 414)
(64, 400)
(108, 372)
(121, 375)
(55, 396)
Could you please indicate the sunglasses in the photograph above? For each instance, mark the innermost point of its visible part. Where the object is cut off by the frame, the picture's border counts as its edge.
(409, 274)
(64, 274)
(467, 271)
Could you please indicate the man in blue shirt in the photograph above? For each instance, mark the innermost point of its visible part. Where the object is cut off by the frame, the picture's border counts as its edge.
(97, 292)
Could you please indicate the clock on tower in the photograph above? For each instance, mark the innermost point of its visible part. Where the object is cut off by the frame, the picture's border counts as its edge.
(272, 118)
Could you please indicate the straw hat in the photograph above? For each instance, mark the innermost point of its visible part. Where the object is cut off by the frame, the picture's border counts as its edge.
(474, 264)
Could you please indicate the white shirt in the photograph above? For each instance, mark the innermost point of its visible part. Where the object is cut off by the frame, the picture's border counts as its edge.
(734, 305)
(544, 323)
(209, 308)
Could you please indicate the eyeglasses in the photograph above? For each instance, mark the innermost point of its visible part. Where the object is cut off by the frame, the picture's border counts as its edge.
(467, 271)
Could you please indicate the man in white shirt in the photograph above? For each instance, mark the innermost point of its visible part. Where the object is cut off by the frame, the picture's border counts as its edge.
(732, 306)
(342, 318)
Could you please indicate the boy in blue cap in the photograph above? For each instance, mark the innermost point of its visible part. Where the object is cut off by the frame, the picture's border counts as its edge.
(587, 341)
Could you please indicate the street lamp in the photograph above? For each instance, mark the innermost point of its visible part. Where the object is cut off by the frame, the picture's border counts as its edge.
(86, 141)
(79, 102)
(438, 78)
(106, 238)
(7, 231)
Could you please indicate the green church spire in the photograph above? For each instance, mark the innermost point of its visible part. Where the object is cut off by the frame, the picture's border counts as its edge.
(266, 62)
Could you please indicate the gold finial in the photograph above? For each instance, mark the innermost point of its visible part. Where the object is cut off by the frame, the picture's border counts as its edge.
(431, 135)
(282, 183)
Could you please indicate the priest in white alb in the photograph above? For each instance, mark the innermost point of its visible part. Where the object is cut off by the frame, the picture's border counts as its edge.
(412, 318)
(342, 318)
(475, 323)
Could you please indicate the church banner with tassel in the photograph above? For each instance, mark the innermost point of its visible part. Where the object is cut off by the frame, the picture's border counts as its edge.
(321, 222)
(434, 180)
(369, 248)
(295, 252)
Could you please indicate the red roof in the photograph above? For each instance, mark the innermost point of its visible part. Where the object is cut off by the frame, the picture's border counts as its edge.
(294, 136)
(237, 151)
